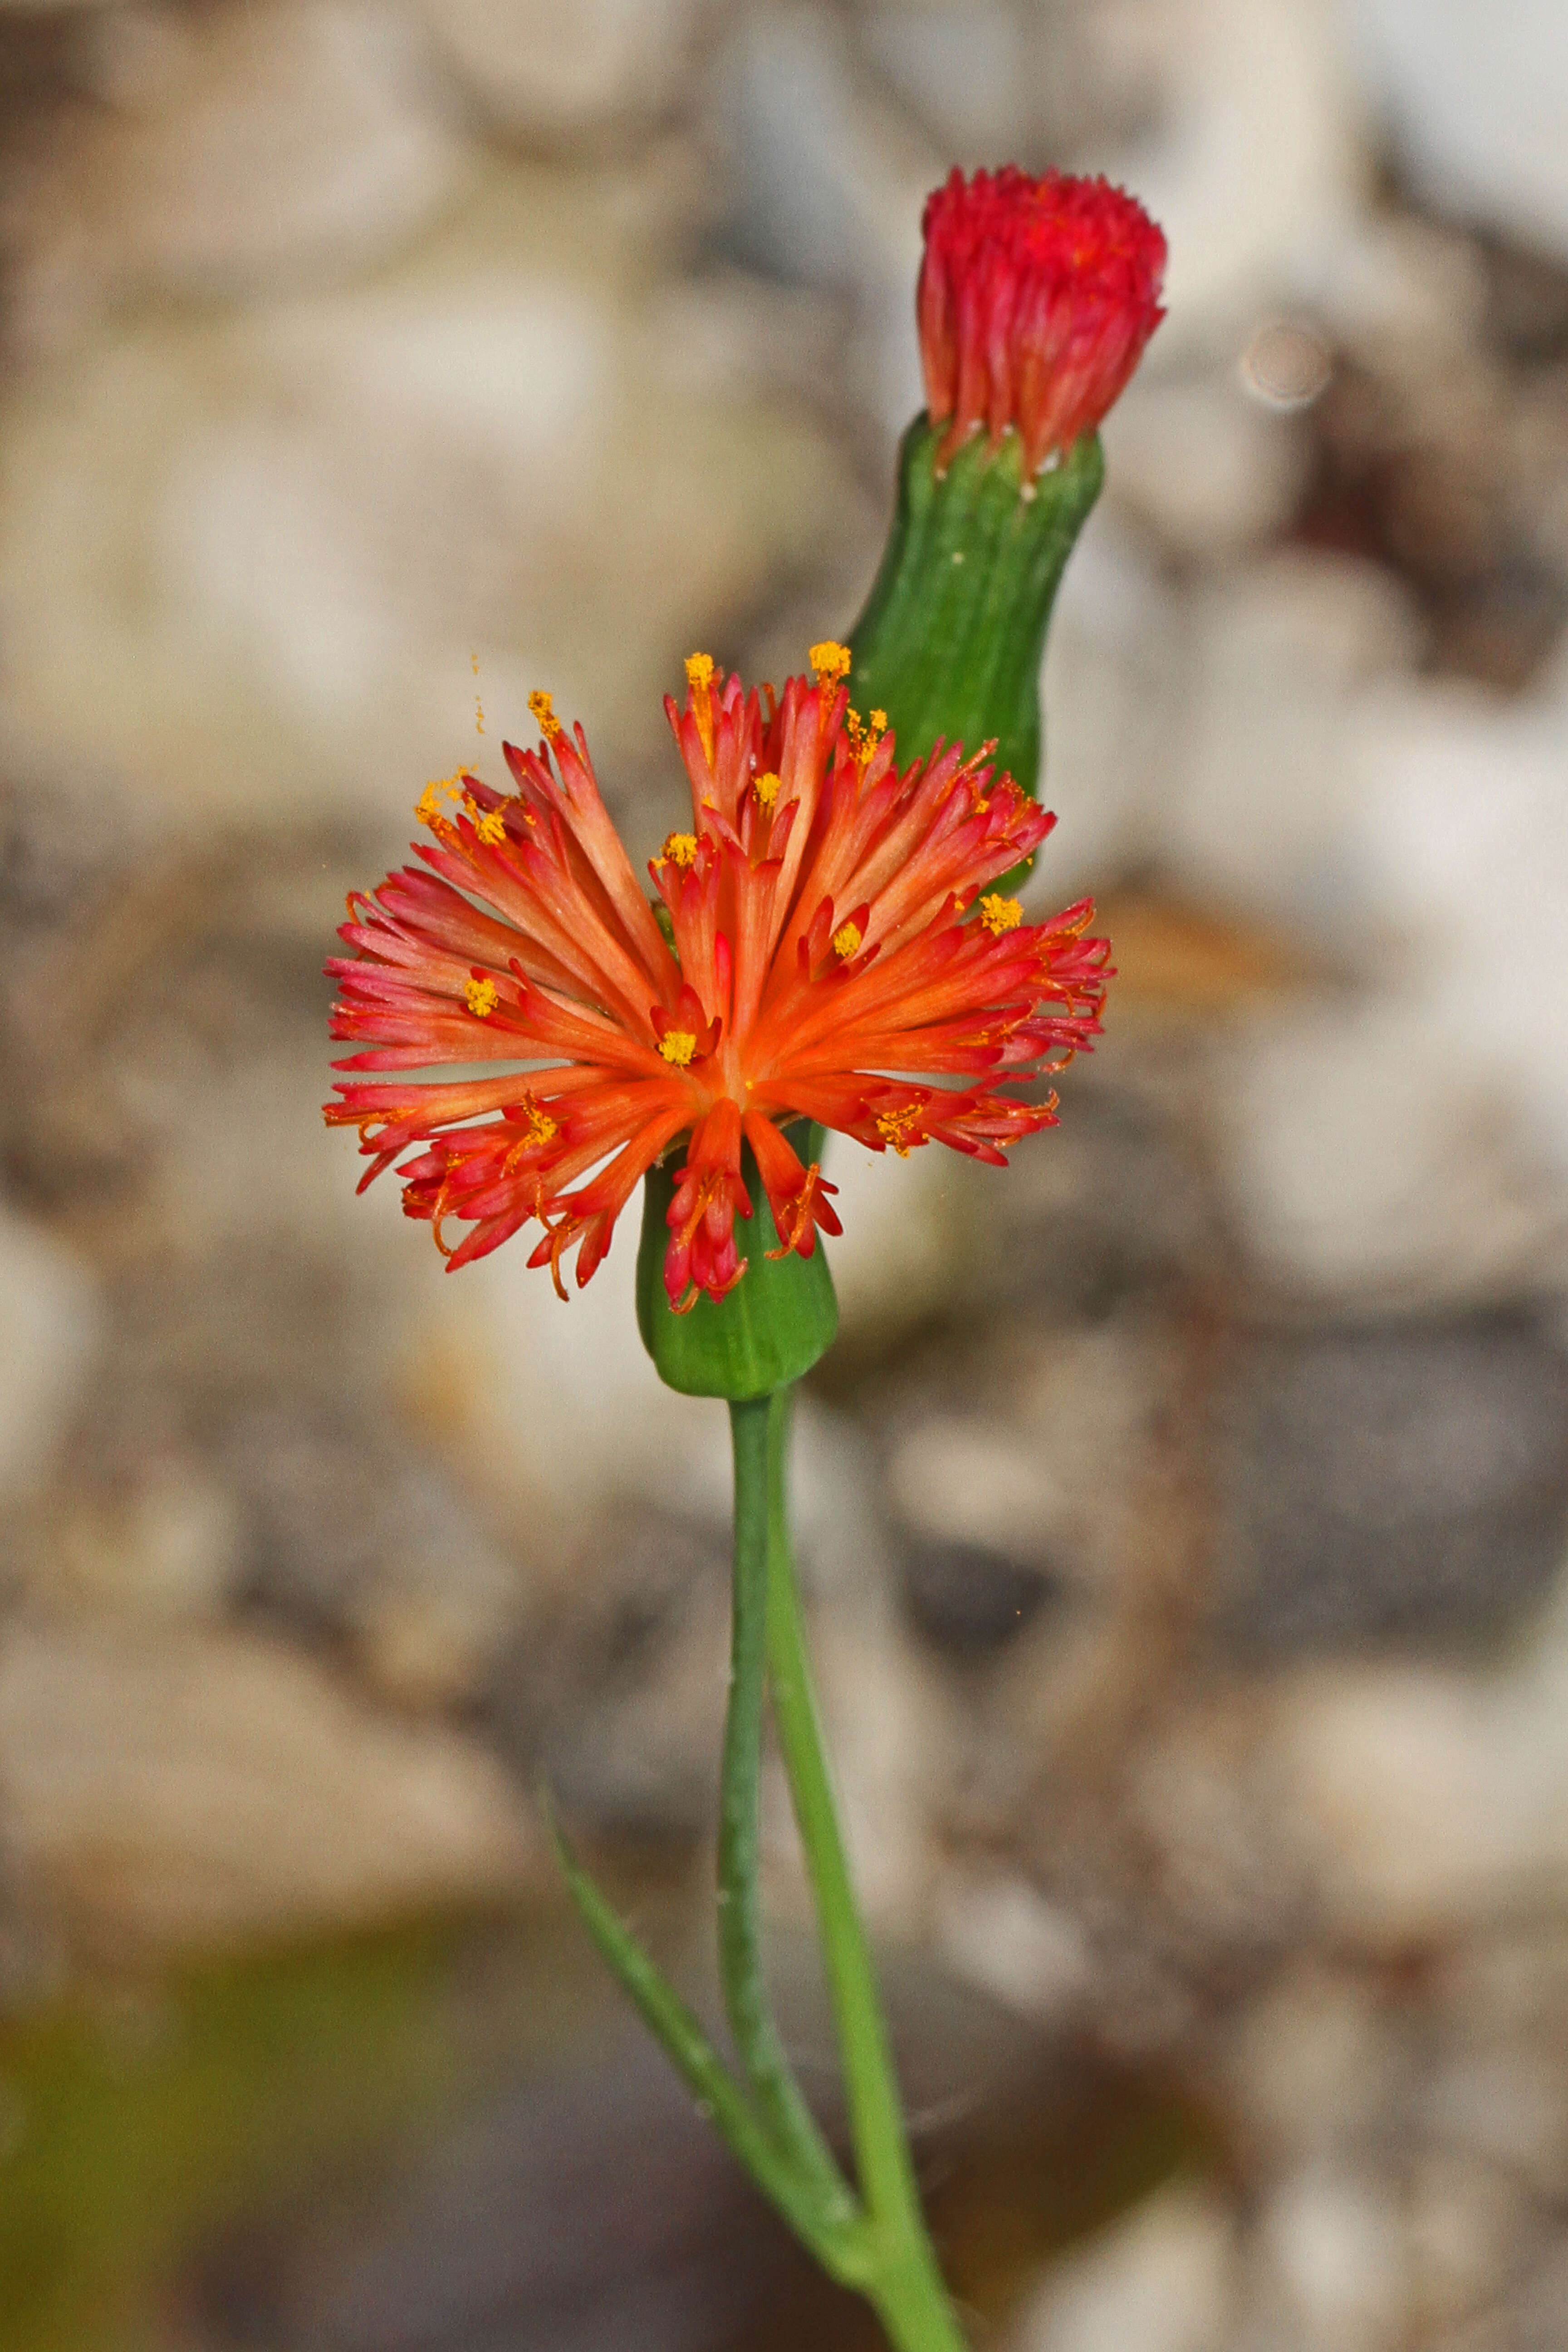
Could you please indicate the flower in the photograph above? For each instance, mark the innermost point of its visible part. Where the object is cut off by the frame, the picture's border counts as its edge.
(1037, 298)
(815, 951)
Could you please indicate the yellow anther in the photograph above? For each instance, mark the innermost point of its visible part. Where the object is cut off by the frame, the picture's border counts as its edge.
(895, 1127)
(766, 788)
(999, 914)
(483, 997)
(491, 827)
(428, 807)
(680, 849)
(540, 1129)
(830, 660)
(699, 698)
(543, 709)
(678, 1045)
(863, 739)
(846, 942)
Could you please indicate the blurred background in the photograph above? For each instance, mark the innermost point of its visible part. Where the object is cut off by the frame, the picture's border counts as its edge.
(1185, 1512)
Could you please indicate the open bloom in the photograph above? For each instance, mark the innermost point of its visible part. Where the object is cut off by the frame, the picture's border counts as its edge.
(1037, 298)
(824, 946)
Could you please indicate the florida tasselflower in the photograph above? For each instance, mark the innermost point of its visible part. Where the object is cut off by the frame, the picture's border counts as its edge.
(824, 945)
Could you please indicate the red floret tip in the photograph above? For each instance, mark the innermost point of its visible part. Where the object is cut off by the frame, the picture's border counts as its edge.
(1037, 298)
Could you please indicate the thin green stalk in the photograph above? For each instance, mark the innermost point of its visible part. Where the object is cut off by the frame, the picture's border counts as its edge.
(905, 2282)
(773, 2087)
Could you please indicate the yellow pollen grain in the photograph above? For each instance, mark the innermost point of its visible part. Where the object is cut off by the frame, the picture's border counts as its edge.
(700, 672)
(491, 828)
(846, 942)
(428, 807)
(483, 997)
(766, 788)
(830, 660)
(878, 722)
(999, 914)
(678, 1045)
(542, 706)
(894, 1127)
(680, 849)
(542, 1128)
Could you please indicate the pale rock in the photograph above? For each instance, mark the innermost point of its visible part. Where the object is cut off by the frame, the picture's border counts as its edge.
(1112, 696)
(53, 1321)
(1363, 1152)
(1362, 1166)
(167, 1547)
(242, 145)
(556, 71)
(1164, 2280)
(1470, 2228)
(1477, 102)
(1462, 822)
(254, 563)
(1430, 1800)
(196, 1788)
(1310, 2069)
(1396, 292)
(1261, 814)
(1209, 471)
(989, 83)
(1258, 157)
(903, 1245)
(953, 1480)
(828, 182)
(1332, 2266)
(1001, 1934)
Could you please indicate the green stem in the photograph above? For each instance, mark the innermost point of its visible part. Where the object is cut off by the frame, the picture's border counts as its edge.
(952, 638)
(778, 2097)
(903, 2280)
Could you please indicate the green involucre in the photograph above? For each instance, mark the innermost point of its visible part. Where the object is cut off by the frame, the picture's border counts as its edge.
(780, 1317)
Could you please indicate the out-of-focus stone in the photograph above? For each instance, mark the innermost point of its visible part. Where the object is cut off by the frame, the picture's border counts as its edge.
(282, 609)
(826, 183)
(1261, 814)
(1258, 158)
(1164, 2280)
(240, 145)
(52, 1319)
(1462, 812)
(198, 1788)
(1470, 2229)
(1363, 1169)
(165, 1543)
(1209, 471)
(1310, 2068)
(1112, 696)
(1479, 119)
(551, 72)
(1392, 1480)
(1429, 1800)
(1332, 2266)
(1003, 1935)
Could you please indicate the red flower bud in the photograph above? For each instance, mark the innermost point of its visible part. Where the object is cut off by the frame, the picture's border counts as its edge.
(1037, 298)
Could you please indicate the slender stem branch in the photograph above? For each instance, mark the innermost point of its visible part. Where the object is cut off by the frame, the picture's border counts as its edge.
(906, 2284)
(778, 2097)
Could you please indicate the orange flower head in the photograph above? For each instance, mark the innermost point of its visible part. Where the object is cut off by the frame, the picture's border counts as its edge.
(830, 949)
(1037, 298)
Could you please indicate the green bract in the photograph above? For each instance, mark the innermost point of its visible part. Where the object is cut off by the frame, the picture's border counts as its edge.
(770, 1328)
(952, 638)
